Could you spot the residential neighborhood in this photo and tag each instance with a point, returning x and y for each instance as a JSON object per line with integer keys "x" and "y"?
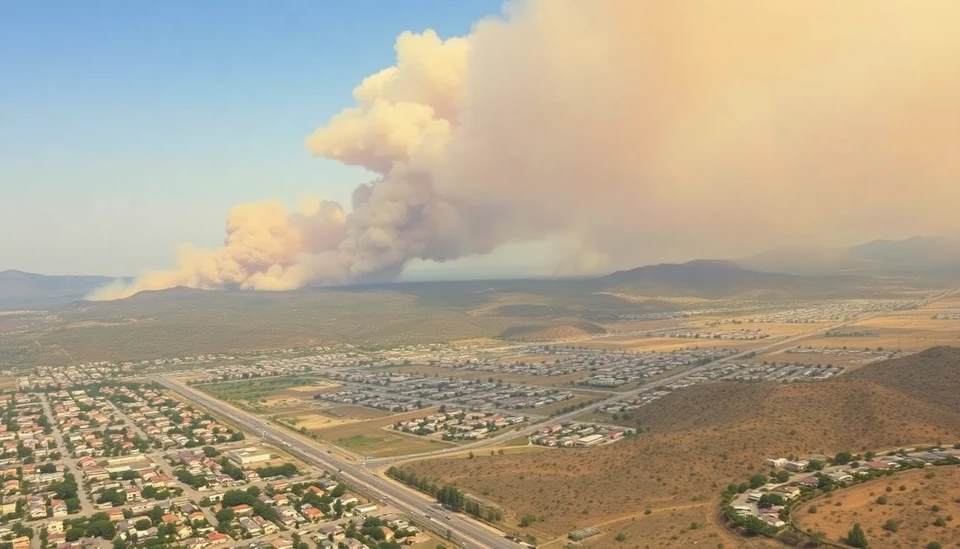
{"x": 763, "y": 502}
{"x": 578, "y": 435}
{"x": 455, "y": 424}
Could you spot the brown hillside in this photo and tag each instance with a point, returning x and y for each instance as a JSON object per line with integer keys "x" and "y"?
{"x": 696, "y": 441}
{"x": 931, "y": 376}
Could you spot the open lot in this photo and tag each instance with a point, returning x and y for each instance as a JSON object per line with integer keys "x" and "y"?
{"x": 371, "y": 438}
{"x": 666, "y": 343}
{"x": 8, "y": 383}
{"x": 313, "y": 418}
{"x": 914, "y": 500}
{"x": 910, "y": 331}
{"x": 267, "y": 391}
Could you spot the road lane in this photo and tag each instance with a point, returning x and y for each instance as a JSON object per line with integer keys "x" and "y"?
{"x": 464, "y": 531}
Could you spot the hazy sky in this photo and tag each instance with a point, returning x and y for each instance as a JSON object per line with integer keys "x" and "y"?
{"x": 127, "y": 128}
{"x": 566, "y": 134}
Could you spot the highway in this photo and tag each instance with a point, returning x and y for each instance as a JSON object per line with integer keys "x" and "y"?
{"x": 422, "y": 510}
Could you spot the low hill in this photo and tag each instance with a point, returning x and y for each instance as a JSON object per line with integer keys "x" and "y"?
{"x": 931, "y": 376}
{"x": 573, "y": 330}
{"x": 20, "y": 289}
{"x": 695, "y": 441}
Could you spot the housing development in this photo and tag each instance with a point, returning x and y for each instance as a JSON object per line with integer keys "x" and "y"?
{"x": 309, "y": 447}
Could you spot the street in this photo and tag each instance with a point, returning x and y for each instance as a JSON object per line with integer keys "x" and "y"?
{"x": 420, "y": 508}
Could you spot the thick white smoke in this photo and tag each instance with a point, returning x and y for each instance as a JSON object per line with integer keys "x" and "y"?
{"x": 633, "y": 129}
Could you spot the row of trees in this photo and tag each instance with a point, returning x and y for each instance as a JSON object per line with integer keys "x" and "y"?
{"x": 450, "y": 496}
{"x": 285, "y": 470}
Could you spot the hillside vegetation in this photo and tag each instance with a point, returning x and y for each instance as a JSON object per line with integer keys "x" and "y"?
{"x": 698, "y": 440}
{"x": 183, "y": 321}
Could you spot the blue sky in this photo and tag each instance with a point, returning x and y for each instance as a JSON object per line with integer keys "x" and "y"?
{"x": 127, "y": 128}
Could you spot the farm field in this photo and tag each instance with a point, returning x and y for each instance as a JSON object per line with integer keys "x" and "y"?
{"x": 371, "y": 438}
{"x": 915, "y": 500}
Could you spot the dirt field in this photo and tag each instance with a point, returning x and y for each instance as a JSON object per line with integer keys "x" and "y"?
{"x": 682, "y": 526}
{"x": 661, "y": 344}
{"x": 8, "y": 383}
{"x": 641, "y": 344}
{"x": 370, "y": 438}
{"x": 314, "y": 418}
{"x": 353, "y": 412}
{"x": 910, "y": 331}
{"x": 915, "y": 500}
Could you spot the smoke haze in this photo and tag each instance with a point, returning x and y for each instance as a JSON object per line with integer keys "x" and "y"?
{"x": 630, "y": 130}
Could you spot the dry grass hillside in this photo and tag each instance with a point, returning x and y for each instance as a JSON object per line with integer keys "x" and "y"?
{"x": 932, "y": 376}
{"x": 695, "y": 442}
{"x": 919, "y": 508}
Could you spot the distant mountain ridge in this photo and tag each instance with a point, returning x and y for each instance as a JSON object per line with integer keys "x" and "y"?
{"x": 786, "y": 273}
{"x": 18, "y": 288}
{"x": 914, "y": 254}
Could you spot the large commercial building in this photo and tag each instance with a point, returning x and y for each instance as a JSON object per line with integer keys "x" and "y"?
{"x": 246, "y": 456}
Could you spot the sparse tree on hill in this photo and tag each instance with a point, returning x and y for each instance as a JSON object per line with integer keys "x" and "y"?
{"x": 856, "y": 537}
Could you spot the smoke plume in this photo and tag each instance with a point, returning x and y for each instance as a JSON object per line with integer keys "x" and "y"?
{"x": 632, "y": 130}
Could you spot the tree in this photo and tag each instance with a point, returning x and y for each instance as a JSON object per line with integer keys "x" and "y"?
{"x": 102, "y": 528}
{"x": 783, "y": 476}
{"x": 856, "y": 537}
{"x": 142, "y": 524}
{"x": 225, "y": 515}
{"x": 842, "y": 458}
{"x": 769, "y": 500}
{"x": 934, "y": 545}
{"x": 891, "y": 525}
{"x": 155, "y": 514}
{"x": 757, "y": 481}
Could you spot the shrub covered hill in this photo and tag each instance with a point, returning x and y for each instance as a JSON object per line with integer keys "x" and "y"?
{"x": 664, "y": 484}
